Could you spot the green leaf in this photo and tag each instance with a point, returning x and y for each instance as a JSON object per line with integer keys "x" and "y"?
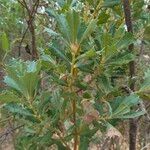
{"x": 106, "y": 39}
{"x": 109, "y": 48}
{"x": 89, "y": 54}
{"x": 11, "y": 82}
{"x": 51, "y": 32}
{"x": 63, "y": 27}
{"x": 143, "y": 95}
{"x": 104, "y": 84}
{"x": 58, "y": 52}
{"x": 45, "y": 96}
{"x": 145, "y": 87}
{"x": 147, "y": 33}
{"x": 122, "y": 107}
{"x": 111, "y": 3}
{"x": 85, "y": 66}
{"x": 56, "y": 79}
{"x": 84, "y": 143}
{"x": 126, "y": 40}
{"x": 17, "y": 109}
{"x": 103, "y": 17}
{"x": 133, "y": 115}
{"x": 4, "y": 42}
{"x": 49, "y": 59}
{"x": 90, "y": 28}
{"x": 121, "y": 59}
{"x": 51, "y": 13}
{"x": 86, "y": 136}
{"x": 56, "y": 100}
{"x": 81, "y": 85}
{"x": 59, "y": 144}
{"x": 23, "y": 77}
{"x": 73, "y": 22}
{"x": 8, "y": 96}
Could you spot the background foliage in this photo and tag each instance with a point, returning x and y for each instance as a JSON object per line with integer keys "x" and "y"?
{"x": 77, "y": 88}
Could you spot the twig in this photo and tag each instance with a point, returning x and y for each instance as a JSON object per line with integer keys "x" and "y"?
{"x": 21, "y": 3}
{"x": 5, "y": 119}
{"x": 146, "y": 146}
{"x": 5, "y": 134}
{"x": 148, "y": 116}
{"x": 24, "y": 34}
{"x": 27, "y": 8}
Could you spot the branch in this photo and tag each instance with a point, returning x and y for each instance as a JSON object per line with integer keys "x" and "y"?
{"x": 31, "y": 14}
{"x": 21, "y": 3}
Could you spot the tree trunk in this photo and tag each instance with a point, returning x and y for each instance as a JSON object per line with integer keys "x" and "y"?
{"x": 132, "y": 122}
